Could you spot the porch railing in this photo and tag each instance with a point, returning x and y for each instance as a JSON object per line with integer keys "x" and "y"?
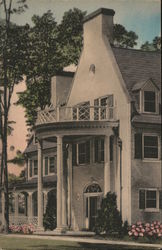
{"x": 21, "y": 220}
{"x": 76, "y": 113}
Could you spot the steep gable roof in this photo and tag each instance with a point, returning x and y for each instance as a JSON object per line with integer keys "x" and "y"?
{"x": 138, "y": 66}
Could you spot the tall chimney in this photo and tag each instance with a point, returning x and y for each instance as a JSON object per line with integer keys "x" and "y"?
{"x": 99, "y": 23}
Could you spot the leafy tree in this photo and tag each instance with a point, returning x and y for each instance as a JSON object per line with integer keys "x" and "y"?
{"x": 49, "y": 218}
{"x": 71, "y": 35}
{"x": 109, "y": 218}
{"x": 124, "y": 38}
{"x": 12, "y": 47}
{"x": 50, "y": 48}
{"x": 19, "y": 159}
{"x": 153, "y": 46}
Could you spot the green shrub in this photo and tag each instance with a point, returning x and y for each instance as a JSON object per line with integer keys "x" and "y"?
{"x": 49, "y": 218}
{"x": 109, "y": 218}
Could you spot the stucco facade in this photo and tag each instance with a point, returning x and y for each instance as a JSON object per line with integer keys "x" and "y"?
{"x": 91, "y": 129}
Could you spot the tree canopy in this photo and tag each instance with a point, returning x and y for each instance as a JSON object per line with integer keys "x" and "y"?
{"x": 155, "y": 45}
{"x": 50, "y": 47}
{"x": 124, "y": 38}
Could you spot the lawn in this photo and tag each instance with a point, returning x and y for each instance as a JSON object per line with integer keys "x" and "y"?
{"x": 13, "y": 243}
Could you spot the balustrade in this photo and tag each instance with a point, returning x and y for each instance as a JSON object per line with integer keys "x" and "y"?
{"x": 76, "y": 113}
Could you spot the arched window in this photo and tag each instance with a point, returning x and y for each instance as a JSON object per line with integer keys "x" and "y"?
{"x": 93, "y": 188}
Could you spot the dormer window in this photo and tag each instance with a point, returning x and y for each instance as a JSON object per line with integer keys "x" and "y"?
{"x": 149, "y": 101}
{"x": 146, "y": 96}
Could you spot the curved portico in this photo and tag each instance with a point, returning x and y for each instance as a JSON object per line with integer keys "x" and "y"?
{"x": 66, "y": 133}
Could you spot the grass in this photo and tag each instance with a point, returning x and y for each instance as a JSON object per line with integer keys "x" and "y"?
{"x": 13, "y": 243}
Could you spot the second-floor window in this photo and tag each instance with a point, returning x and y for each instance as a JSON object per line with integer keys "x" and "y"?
{"x": 35, "y": 167}
{"x": 149, "y": 101}
{"x": 101, "y": 112}
{"x": 30, "y": 168}
{"x": 146, "y": 146}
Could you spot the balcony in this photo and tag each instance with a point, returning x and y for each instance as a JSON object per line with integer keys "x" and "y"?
{"x": 79, "y": 113}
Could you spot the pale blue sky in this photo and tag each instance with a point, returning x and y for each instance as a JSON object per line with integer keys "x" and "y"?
{"x": 141, "y": 16}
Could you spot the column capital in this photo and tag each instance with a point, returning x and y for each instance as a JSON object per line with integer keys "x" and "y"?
{"x": 40, "y": 142}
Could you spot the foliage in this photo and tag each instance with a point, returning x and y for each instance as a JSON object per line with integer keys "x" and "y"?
{"x": 12, "y": 54}
{"x": 25, "y": 229}
{"x": 50, "y": 48}
{"x": 155, "y": 45}
{"x": 109, "y": 218}
{"x": 124, "y": 38}
{"x": 49, "y": 218}
{"x": 12, "y": 178}
{"x": 152, "y": 230}
{"x": 19, "y": 159}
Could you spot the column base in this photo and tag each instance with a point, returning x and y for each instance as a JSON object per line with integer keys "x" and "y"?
{"x": 39, "y": 229}
{"x": 60, "y": 230}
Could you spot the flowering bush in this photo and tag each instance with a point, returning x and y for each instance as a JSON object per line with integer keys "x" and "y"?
{"x": 26, "y": 228}
{"x": 150, "y": 230}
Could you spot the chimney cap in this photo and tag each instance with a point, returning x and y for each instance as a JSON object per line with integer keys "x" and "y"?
{"x": 108, "y": 12}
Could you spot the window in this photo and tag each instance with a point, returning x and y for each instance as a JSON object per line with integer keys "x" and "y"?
{"x": 100, "y": 108}
{"x": 51, "y": 164}
{"x": 146, "y": 146}
{"x": 150, "y": 147}
{"x": 30, "y": 168}
{"x": 35, "y": 167}
{"x": 46, "y": 166}
{"x": 84, "y": 153}
{"x": 150, "y": 199}
{"x": 149, "y": 101}
{"x": 99, "y": 149}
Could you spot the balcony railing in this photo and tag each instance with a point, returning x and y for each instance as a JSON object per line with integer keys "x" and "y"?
{"x": 76, "y": 113}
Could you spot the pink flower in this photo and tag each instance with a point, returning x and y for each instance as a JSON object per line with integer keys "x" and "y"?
{"x": 133, "y": 226}
{"x": 139, "y": 223}
{"x": 130, "y": 233}
{"x": 135, "y": 234}
{"x": 137, "y": 229}
{"x": 133, "y": 230}
{"x": 142, "y": 230}
{"x": 141, "y": 234}
{"x": 159, "y": 235}
{"x": 147, "y": 224}
{"x": 150, "y": 233}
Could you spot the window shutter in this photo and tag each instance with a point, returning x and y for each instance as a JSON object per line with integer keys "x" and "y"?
{"x": 142, "y": 199}
{"x": 138, "y": 146}
{"x": 74, "y": 161}
{"x": 160, "y": 199}
{"x": 88, "y": 152}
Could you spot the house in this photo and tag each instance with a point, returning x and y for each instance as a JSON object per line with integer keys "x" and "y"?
{"x": 101, "y": 133}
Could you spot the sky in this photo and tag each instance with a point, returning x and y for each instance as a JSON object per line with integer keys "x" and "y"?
{"x": 141, "y": 16}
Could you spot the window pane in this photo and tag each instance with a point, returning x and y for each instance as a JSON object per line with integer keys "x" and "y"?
{"x": 35, "y": 167}
{"x": 102, "y": 150}
{"x": 52, "y": 164}
{"x": 96, "y": 151}
{"x": 149, "y": 101}
{"x": 151, "y": 141}
{"x": 150, "y": 152}
{"x": 84, "y": 152}
{"x": 46, "y": 165}
{"x": 150, "y": 147}
{"x": 150, "y": 199}
{"x": 30, "y": 168}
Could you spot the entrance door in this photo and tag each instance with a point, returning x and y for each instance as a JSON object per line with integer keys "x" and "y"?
{"x": 93, "y": 212}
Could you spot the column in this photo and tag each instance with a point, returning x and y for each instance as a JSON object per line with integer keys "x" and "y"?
{"x": 30, "y": 207}
{"x": 40, "y": 184}
{"x": 107, "y": 165}
{"x": 69, "y": 183}
{"x": 3, "y": 209}
{"x": 64, "y": 191}
{"x": 16, "y": 214}
{"x": 45, "y": 200}
{"x": 59, "y": 181}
